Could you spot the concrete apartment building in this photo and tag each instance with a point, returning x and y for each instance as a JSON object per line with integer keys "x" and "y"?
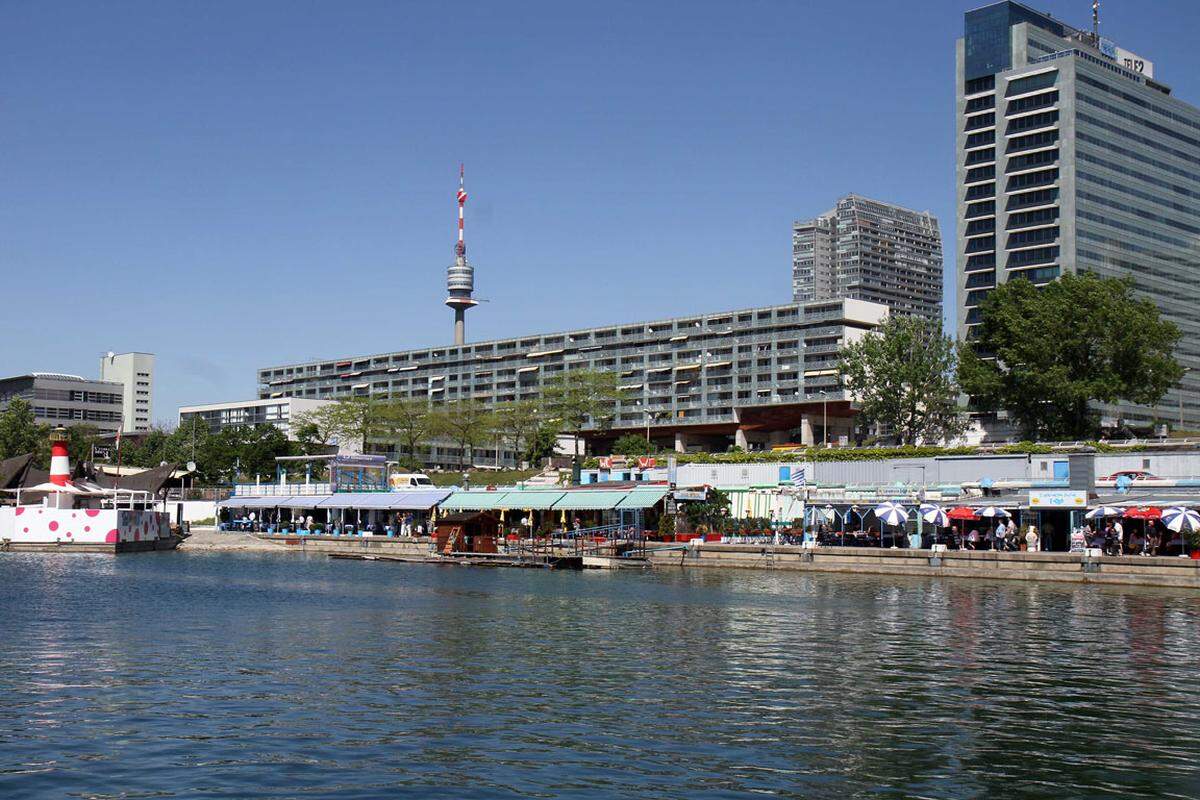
{"x": 1072, "y": 155}
{"x": 135, "y": 371}
{"x": 59, "y": 399}
{"x": 280, "y": 412}
{"x": 868, "y": 250}
{"x": 752, "y": 377}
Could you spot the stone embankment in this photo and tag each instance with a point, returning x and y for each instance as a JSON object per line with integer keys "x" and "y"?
{"x": 1060, "y": 567}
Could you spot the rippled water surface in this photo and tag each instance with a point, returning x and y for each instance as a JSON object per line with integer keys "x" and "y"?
{"x": 267, "y": 675}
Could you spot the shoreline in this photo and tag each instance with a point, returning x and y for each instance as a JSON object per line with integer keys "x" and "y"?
{"x": 1163, "y": 571}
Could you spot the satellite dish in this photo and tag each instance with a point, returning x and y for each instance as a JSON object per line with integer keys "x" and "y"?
{"x": 191, "y": 466}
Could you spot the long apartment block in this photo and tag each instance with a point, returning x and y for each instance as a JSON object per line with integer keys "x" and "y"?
{"x": 751, "y": 376}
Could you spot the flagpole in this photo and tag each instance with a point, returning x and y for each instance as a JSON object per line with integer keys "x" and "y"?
{"x": 117, "y": 482}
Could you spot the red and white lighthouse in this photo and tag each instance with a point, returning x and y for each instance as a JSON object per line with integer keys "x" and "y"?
{"x": 60, "y": 462}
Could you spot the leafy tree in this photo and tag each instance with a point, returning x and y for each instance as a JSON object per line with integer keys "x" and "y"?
{"x": 517, "y": 424}
{"x": 712, "y": 512}
{"x": 409, "y": 422}
{"x": 1046, "y": 354}
{"x": 468, "y": 422}
{"x": 541, "y": 444}
{"x": 574, "y": 399}
{"x": 19, "y": 434}
{"x": 355, "y": 420}
{"x": 630, "y": 444}
{"x": 903, "y": 378}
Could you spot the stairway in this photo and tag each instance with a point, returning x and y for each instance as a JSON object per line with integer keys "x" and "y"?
{"x": 451, "y": 540}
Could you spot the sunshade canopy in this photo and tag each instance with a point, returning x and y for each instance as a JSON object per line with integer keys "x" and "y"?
{"x": 473, "y": 500}
{"x": 273, "y": 501}
{"x": 643, "y": 498}
{"x": 419, "y": 500}
{"x": 589, "y": 500}
{"x": 535, "y": 500}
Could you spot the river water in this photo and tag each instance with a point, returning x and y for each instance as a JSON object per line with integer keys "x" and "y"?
{"x": 279, "y": 675}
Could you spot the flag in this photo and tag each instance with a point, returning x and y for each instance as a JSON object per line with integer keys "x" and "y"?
{"x": 798, "y": 478}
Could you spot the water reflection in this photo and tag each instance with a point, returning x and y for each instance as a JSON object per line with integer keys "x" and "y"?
{"x": 276, "y": 676}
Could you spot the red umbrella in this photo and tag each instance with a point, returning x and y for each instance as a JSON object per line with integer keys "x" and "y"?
{"x": 962, "y": 512}
{"x": 1144, "y": 512}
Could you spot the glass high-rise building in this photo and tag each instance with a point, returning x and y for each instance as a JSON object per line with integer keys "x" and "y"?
{"x": 867, "y": 250}
{"x": 1072, "y": 156}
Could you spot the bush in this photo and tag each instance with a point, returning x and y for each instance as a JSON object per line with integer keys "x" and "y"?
{"x": 630, "y": 444}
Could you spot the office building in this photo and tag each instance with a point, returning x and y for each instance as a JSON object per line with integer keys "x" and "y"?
{"x": 135, "y": 371}
{"x": 1071, "y": 156}
{"x": 280, "y": 412}
{"x": 868, "y": 250}
{"x": 753, "y": 377}
{"x": 59, "y": 399}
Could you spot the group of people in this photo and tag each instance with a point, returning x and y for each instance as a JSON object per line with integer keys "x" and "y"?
{"x": 1005, "y": 536}
{"x": 1145, "y": 540}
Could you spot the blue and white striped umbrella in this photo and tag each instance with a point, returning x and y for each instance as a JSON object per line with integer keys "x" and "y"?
{"x": 934, "y": 515}
{"x": 1104, "y": 511}
{"x": 891, "y": 513}
{"x": 992, "y": 511}
{"x": 1177, "y": 518}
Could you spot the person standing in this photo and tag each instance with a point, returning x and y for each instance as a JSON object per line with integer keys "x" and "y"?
{"x": 1031, "y": 539}
{"x": 998, "y": 536}
{"x": 1119, "y": 532}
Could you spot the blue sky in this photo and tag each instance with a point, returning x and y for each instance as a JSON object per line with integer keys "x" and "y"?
{"x": 240, "y": 184}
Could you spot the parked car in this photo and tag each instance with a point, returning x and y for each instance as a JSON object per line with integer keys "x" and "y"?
{"x": 1132, "y": 474}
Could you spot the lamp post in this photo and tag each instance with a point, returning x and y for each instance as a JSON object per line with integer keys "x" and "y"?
{"x": 824, "y": 418}
{"x": 920, "y": 498}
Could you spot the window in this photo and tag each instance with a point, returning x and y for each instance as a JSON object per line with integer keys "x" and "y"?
{"x": 1022, "y": 163}
{"x": 981, "y": 139}
{"x": 1033, "y": 83}
{"x": 980, "y": 103}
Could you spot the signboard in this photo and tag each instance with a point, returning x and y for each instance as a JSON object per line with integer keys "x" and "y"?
{"x": 1130, "y": 61}
{"x": 1057, "y": 499}
{"x": 646, "y": 462}
{"x": 672, "y": 471}
{"x": 102, "y": 452}
{"x": 691, "y": 494}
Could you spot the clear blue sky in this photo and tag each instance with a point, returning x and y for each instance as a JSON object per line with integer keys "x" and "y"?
{"x": 240, "y": 184}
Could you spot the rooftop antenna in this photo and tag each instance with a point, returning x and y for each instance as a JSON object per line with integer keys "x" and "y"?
{"x": 1096, "y": 22}
{"x": 460, "y": 276}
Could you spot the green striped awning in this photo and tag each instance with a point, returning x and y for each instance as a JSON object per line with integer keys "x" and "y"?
{"x": 590, "y": 500}
{"x": 532, "y": 499}
{"x": 643, "y": 498}
{"x": 474, "y": 500}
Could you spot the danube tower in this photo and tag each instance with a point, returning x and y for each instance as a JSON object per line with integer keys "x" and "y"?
{"x": 460, "y": 276}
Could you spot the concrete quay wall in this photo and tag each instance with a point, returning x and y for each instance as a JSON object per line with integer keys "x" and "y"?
{"x": 374, "y": 545}
{"x": 1060, "y": 567}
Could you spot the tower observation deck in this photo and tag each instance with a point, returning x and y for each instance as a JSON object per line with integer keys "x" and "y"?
{"x": 460, "y": 276}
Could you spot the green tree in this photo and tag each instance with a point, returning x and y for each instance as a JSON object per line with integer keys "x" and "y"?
{"x": 903, "y": 377}
{"x": 1045, "y": 354}
{"x": 409, "y": 422}
{"x": 19, "y": 433}
{"x": 355, "y": 420}
{"x": 541, "y": 444}
{"x": 712, "y": 512}
{"x": 630, "y": 444}
{"x": 468, "y": 422}
{"x": 517, "y": 424}
{"x": 575, "y": 399}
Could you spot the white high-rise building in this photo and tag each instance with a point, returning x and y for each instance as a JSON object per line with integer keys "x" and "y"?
{"x": 136, "y": 372}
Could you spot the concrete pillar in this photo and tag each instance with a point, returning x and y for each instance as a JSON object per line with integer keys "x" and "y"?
{"x": 806, "y": 431}
{"x": 680, "y": 443}
{"x": 740, "y": 440}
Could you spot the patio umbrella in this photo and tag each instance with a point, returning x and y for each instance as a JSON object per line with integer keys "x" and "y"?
{"x": 1178, "y": 518}
{"x": 934, "y": 515}
{"x": 1104, "y": 511}
{"x": 891, "y": 513}
{"x": 992, "y": 511}
{"x": 1144, "y": 512}
{"x": 962, "y": 512}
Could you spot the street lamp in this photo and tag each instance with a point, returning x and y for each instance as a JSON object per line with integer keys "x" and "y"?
{"x": 1186, "y": 370}
{"x": 824, "y": 418}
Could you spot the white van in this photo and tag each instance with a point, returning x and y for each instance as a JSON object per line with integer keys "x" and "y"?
{"x": 409, "y": 480}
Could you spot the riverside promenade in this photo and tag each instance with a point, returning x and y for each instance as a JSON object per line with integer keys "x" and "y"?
{"x": 1019, "y": 566}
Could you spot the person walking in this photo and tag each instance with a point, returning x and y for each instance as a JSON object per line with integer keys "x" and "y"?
{"x": 1119, "y": 532}
{"x": 998, "y": 536}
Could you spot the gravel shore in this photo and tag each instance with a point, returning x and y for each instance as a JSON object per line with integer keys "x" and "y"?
{"x": 212, "y": 539}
